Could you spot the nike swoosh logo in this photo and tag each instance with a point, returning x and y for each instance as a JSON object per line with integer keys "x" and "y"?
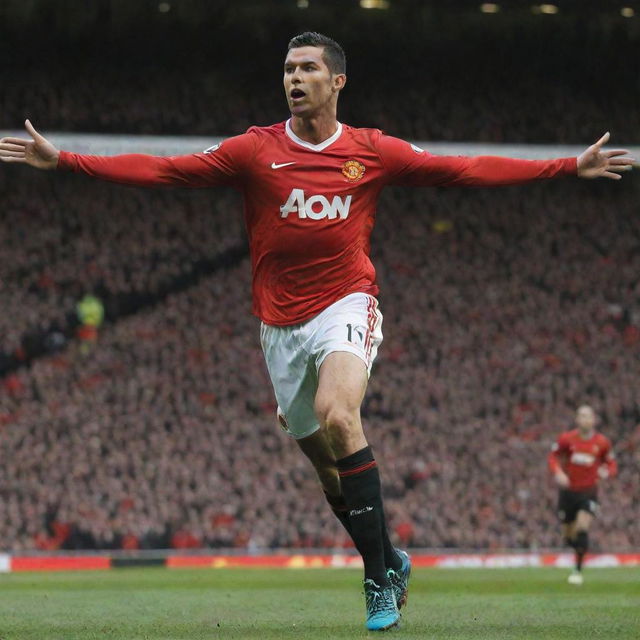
{"x": 279, "y": 166}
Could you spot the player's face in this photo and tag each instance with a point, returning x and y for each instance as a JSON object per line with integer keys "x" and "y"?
{"x": 586, "y": 419}
{"x": 309, "y": 85}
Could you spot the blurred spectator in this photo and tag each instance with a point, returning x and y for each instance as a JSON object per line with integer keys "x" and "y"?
{"x": 90, "y": 312}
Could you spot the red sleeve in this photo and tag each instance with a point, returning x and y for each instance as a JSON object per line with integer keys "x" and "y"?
{"x": 223, "y": 164}
{"x": 559, "y": 449}
{"x": 411, "y": 166}
{"x": 608, "y": 458}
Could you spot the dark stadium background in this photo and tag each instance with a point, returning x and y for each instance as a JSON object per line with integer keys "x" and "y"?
{"x": 504, "y": 309}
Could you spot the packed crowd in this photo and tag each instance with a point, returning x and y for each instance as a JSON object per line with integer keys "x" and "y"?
{"x": 503, "y": 311}
{"x": 439, "y": 107}
{"x": 63, "y": 237}
{"x": 436, "y": 110}
{"x": 466, "y": 82}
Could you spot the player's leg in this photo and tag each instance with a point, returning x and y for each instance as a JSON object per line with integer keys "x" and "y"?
{"x": 568, "y": 508}
{"x": 569, "y": 533}
{"x": 295, "y": 381}
{"x": 354, "y": 325}
{"x": 341, "y": 387}
{"x": 342, "y": 383}
{"x": 294, "y": 376}
{"x": 568, "y": 505}
{"x": 581, "y": 545}
{"x": 316, "y": 448}
{"x": 294, "y": 358}
{"x": 350, "y": 327}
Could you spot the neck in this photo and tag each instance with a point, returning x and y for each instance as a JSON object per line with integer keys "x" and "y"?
{"x": 585, "y": 435}
{"x": 315, "y": 129}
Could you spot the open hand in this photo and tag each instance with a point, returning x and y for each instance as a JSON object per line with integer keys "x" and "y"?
{"x": 596, "y": 163}
{"x": 37, "y": 152}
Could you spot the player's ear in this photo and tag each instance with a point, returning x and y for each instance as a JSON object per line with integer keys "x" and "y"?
{"x": 338, "y": 81}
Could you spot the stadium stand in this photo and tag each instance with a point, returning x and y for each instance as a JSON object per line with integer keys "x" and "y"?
{"x": 462, "y": 76}
{"x": 504, "y": 308}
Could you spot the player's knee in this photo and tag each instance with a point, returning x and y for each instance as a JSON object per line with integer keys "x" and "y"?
{"x": 338, "y": 420}
{"x": 342, "y": 426}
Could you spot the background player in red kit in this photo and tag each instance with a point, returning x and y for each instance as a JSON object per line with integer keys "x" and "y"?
{"x": 578, "y": 459}
{"x": 310, "y": 188}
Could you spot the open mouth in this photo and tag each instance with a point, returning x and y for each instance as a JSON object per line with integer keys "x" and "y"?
{"x": 296, "y": 94}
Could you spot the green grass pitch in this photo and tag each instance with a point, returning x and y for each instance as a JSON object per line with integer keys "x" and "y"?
{"x": 194, "y": 604}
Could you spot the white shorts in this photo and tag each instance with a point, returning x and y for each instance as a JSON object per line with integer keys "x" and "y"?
{"x": 294, "y": 355}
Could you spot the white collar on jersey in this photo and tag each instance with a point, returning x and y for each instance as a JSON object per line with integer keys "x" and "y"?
{"x": 308, "y": 145}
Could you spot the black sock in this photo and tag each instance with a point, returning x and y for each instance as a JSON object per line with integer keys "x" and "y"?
{"x": 360, "y": 483}
{"x": 340, "y": 509}
{"x": 391, "y": 559}
{"x": 581, "y": 547}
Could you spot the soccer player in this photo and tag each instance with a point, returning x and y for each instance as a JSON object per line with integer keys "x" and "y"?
{"x": 577, "y": 460}
{"x": 310, "y": 188}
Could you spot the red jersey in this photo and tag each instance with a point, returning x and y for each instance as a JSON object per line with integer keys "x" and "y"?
{"x": 310, "y": 208}
{"x": 581, "y": 459}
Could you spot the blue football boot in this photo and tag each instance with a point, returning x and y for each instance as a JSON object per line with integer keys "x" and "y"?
{"x": 382, "y": 611}
{"x": 400, "y": 579}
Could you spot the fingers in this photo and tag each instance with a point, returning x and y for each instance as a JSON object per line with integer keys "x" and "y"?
{"x": 616, "y": 152}
{"x": 601, "y": 142}
{"x": 11, "y": 150}
{"x": 10, "y": 146}
{"x": 623, "y": 162}
{"x": 613, "y": 176}
{"x": 31, "y": 130}
{"x": 19, "y": 141}
{"x": 11, "y": 159}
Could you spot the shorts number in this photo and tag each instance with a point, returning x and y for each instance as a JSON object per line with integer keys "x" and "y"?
{"x": 359, "y": 331}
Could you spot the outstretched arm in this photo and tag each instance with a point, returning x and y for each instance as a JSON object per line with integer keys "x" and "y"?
{"x": 410, "y": 165}
{"x": 223, "y": 165}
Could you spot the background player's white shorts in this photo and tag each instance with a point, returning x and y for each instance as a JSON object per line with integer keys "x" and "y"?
{"x": 294, "y": 355}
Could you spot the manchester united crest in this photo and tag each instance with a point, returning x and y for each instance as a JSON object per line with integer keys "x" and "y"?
{"x": 353, "y": 170}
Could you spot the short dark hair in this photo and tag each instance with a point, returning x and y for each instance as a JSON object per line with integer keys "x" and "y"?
{"x": 332, "y": 54}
